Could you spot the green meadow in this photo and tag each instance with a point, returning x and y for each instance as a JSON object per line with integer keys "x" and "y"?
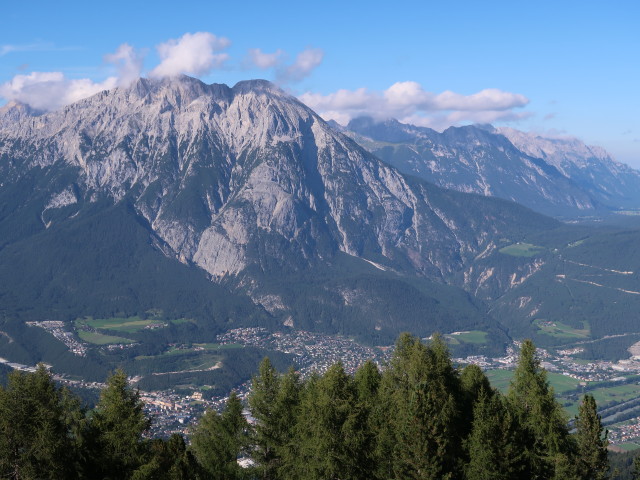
{"x": 473, "y": 336}
{"x": 522, "y": 250}
{"x": 561, "y": 330}
{"x": 101, "y": 339}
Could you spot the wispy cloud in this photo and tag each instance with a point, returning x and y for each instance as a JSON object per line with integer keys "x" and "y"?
{"x": 410, "y": 102}
{"x": 305, "y": 63}
{"x": 193, "y": 53}
{"x": 128, "y": 62}
{"x": 262, "y": 60}
{"x": 33, "y": 47}
{"x": 285, "y": 73}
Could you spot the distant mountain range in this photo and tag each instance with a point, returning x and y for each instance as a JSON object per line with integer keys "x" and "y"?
{"x": 558, "y": 177}
{"x": 241, "y": 207}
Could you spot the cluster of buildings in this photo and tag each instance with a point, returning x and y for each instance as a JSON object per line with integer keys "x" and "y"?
{"x": 57, "y": 329}
{"x": 625, "y": 433}
{"x": 313, "y": 351}
{"x": 175, "y": 413}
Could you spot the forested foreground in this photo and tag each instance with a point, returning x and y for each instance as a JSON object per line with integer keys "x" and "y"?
{"x": 419, "y": 418}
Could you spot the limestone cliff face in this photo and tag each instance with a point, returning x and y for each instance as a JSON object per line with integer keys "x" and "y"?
{"x": 558, "y": 177}
{"x": 233, "y": 178}
{"x": 610, "y": 182}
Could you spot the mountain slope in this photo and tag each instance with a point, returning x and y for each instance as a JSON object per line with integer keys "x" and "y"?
{"x": 249, "y": 186}
{"x": 612, "y": 183}
{"x": 558, "y": 178}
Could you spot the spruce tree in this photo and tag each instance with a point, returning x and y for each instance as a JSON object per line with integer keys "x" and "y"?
{"x": 549, "y": 446}
{"x": 330, "y": 429}
{"x": 170, "y": 460}
{"x": 219, "y": 439}
{"x": 473, "y": 381}
{"x": 263, "y": 403}
{"x": 494, "y": 444}
{"x": 592, "y": 442}
{"x": 427, "y": 416}
{"x": 286, "y": 413}
{"x": 37, "y": 427}
{"x": 118, "y": 423}
{"x": 367, "y": 384}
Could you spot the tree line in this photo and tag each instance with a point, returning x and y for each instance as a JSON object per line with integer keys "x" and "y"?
{"x": 418, "y": 418}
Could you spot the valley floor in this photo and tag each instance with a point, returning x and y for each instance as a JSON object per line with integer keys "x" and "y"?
{"x": 615, "y": 385}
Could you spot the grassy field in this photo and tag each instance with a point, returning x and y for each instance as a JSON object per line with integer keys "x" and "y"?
{"x": 522, "y": 250}
{"x": 203, "y": 349}
{"x": 629, "y": 446}
{"x": 560, "y": 383}
{"x": 200, "y": 347}
{"x": 183, "y": 361}
{"x": 500, "y": 379}
{"x": 218, "y": 346}
{"x": 130, "y": 324}
{"x": 179, "y": 321}
{"x": 473, "y": 336}
{"x": 101, "y": 339}
{"x": 619, "y": 393}
{"x": 561, "y": 330}
{"x": 603, "y": 396}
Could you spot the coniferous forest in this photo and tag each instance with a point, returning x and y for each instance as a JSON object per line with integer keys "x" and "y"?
{"x": 420, "y": 417}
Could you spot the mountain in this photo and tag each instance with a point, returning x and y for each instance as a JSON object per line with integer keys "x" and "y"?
{"x": 198, "y": 208}
{"x": 562, "y": 178}
{"x": 610, "y": 182}
{"x": 247, "y": 186}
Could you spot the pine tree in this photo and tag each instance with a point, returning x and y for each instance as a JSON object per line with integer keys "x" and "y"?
{"x": 592, "y": 442}
{"x": 473, "y": 381}
{"x": 219, "y": 439}
{"x": 495, "y": 441}
{"x": 636, "y": 468}
{"x": 426, "y": 410}
{"x": 117, "y": 426}
{"x": 549, "y": 445}
{"x": 367, "y": 384}
{"x": 330, "y": 428}
{"x": 170, "y": 460}
{"x": 37, "y": 428}
{"x": 263, "y": 403}
{"x": 287, "y": 416}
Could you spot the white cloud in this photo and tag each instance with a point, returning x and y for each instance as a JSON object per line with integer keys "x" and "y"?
{"x": 409, "y": 102}
{"x": 304, "y": 64}
{"x": 33, "y": 47}
{"x": 193, "y": 53}
{"x": 410, "y": 95}
{"x": 51, "y": 90}
{"x": 128, "y": 62}
{"x": 488, "y": 99}
{"x": 263, "y": 60}
{"x": 4, "y": 49}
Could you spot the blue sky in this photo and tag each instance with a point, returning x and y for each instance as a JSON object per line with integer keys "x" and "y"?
{"x": 558, "y": 68}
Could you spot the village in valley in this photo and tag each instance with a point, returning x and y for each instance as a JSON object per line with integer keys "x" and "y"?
{"x": 615, "y": 385}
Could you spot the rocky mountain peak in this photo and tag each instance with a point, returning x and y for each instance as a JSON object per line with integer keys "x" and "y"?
{"x": 15, "y": 111}
{"x": 473, "y": 159}
{"x": 389, "y": 130}
{"x": 220, "y": 174}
